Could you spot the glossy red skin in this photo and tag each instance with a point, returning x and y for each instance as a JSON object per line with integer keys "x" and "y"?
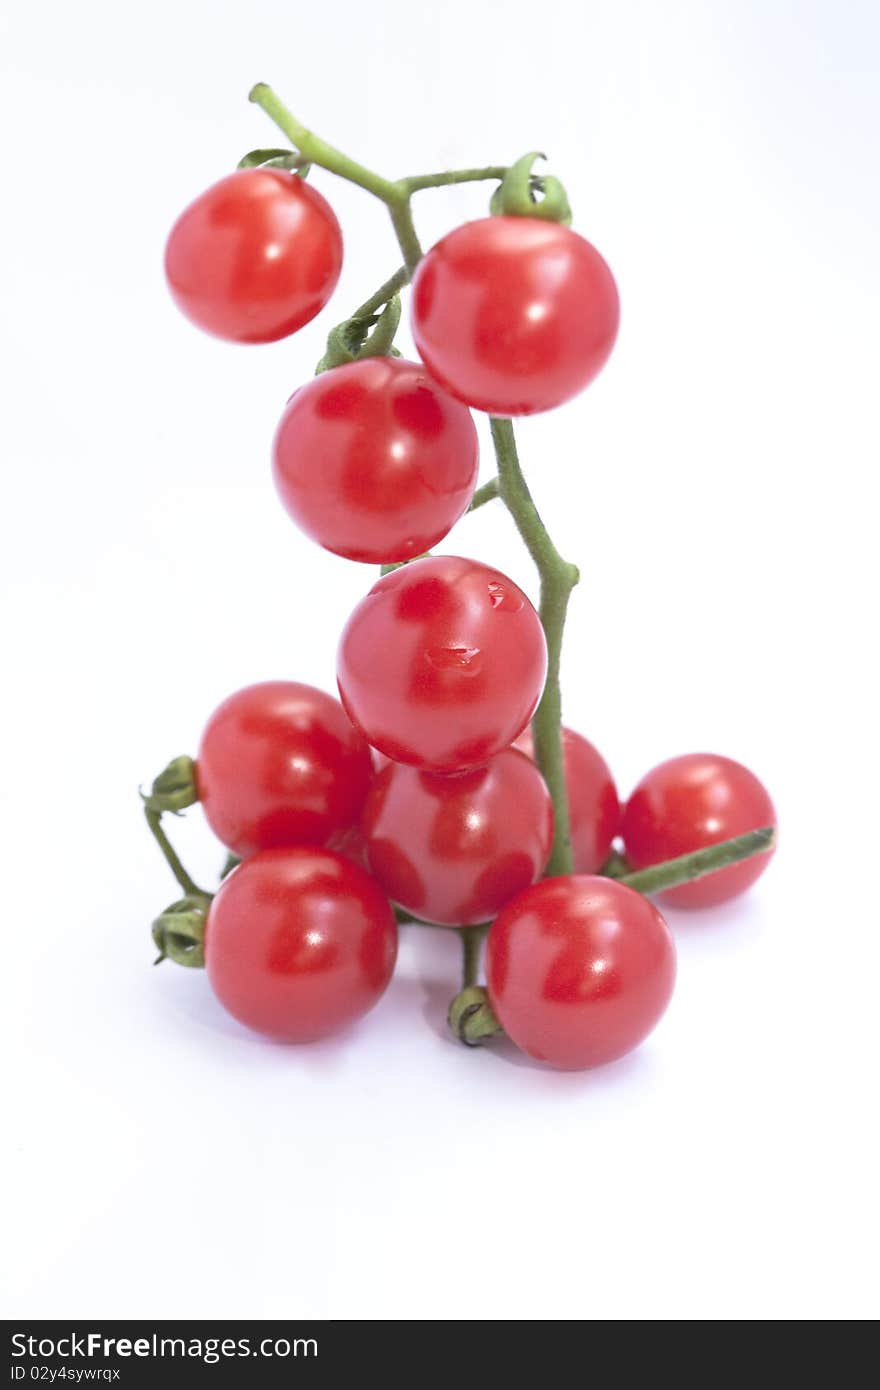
{"x": 579, "y": 970}
{"x": 514, "y": 315}
{"x": 454, "y": 848}
{"x": 299, "y": 942}
{"x": 442, "y": 664}
{"x": 280, "y": 764}
{"x": 593, "y": 804}
{"x": 375, "y": 461}
{"x": 691, "y": 802}
{"x": 254, "y": 257}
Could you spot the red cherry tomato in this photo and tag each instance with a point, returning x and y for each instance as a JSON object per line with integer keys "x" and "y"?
{"x": 442, "y": 664}
{"x": 454, "y": 848}
{"x": 579, "y": 970}
{"x": 280, "y": 764}
{"x": 593, "y": 805}
{"x": 255, "y": 257}
{"x": 299, "y": 942}
{"x": 514, "y": 314}
{"x": 689, "y": 803}
{"x": 374, "y": 461}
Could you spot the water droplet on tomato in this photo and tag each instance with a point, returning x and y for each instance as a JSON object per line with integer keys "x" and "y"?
{"x": 466, "y": 659}
{"x": 501, "y": 597}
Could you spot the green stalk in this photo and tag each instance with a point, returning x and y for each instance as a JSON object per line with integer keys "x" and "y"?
{"x": 405, "y": 230}
{"x": 383, "y": 294}
{"x": 700, "y": 862}
{"x": 558, "y": 578}
{"x": 484, "y": 494}
{"x": 451, "y": 176}
{"x": 472, "y": 947}
{"x": 318, "y": 151}
{"x": 394, "y": 194}
{"x": 189, "y": 886}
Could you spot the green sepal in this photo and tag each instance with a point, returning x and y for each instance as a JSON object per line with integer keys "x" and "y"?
{"x": 175, "y": 787}
{"x": 179, "y": 931}
{"x": 471, "y": 1018}
{"x": 515, "y": 195}
{"x": 372, "y": 336}
{"x": 275, "y": 159}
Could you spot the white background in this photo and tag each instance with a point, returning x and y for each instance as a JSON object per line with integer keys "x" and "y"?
{"x": 717, "y": 486}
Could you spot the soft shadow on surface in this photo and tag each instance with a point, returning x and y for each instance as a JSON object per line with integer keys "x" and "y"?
{"x": 418, "y": 997}
{"x": 190, "y": 1005}
{"x": 636, "y": 1064}
{"x": 740, "y": 917}
{"x": 435, "y": 994}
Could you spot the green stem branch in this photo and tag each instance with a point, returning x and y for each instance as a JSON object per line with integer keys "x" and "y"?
{"x": 383, "y": 294}
{"x": 418, "y": 182}
{"x": 394, "y": 194}
{"x": 318, "y": 151}
{"x": 687, "y": 867}
{"x": 471, "y": 949}
{"x": 558, "y": 578}
{"x": 405, "y": 229}
{"x": 484, "y": 494}
{"x": 189, "y": 886}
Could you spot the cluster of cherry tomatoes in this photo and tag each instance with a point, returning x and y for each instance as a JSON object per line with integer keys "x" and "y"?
{"x": 419, "y": 789}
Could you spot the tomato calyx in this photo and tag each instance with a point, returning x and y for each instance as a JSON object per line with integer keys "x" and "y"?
{"x": 179, "y": 931}
{"x": 471, "y": 1018}
{"x": 380, "y": 313}
{"x": 275, "y": 159}
{"x": 370, "y": 335}
{"x": 515, "y": 195}
{"x": 174, "y": 789}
